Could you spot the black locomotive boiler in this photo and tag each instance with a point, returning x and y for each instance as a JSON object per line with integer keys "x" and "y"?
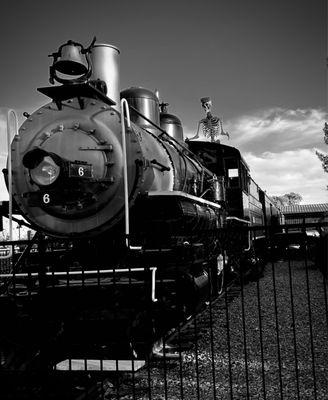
{"x": 110, "y": 173}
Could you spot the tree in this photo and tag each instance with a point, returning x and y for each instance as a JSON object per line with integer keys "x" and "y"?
{"x": 324, "y": 157}
{"x": 278, "y": 201}
{"x": 287, "y": 199}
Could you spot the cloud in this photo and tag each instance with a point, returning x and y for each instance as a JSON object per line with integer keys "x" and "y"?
{"x": 296, "y": 171}
{"x": 277, "y": 130}
{"x": 279, "y": 146}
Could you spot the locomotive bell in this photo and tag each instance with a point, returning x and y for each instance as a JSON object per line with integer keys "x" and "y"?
{"x": 70, "y": 60}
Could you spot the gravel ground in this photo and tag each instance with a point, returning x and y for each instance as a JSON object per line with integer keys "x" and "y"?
{"x": 238, "y": 367}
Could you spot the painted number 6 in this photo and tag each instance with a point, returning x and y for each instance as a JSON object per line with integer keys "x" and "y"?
{"x": 46, "y": 198}
{"x": 81, "y": 171}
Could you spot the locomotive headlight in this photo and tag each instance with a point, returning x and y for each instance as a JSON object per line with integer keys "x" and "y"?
{"x": 46, "y": 172}
{"x": 44, "y": 167}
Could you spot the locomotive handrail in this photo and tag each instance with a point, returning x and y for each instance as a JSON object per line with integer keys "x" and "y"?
{"x": 10, "y": 186}
{"x": 239, "y": 220}
{"x": 125, "y": 110}
{"x": 178, "y": 193}
{"x": 148, "y": 120}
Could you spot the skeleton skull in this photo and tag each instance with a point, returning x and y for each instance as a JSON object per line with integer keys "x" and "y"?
{"x": 206, "y": 104}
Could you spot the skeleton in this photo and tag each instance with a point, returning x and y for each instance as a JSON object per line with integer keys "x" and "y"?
{"x": 211, "y": 125}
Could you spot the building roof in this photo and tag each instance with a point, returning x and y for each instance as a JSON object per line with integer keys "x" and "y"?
{"x": 305, "y": 208}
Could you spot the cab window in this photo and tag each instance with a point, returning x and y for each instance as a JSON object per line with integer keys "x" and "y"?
{"x": 244, "y": 178}
{"x": 231, "y": 166}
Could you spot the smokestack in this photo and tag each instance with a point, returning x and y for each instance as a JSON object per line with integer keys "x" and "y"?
{"x": 105, "y": 66}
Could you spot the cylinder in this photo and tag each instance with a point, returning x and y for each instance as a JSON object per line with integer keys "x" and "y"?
{"x": 146, "y": 102}
{"x": 105, "y": 66}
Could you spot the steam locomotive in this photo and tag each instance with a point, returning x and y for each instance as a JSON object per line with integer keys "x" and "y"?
{"x": 111, "y": 172}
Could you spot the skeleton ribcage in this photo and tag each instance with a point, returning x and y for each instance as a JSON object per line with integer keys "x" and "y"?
{"x": 211, "y": 126}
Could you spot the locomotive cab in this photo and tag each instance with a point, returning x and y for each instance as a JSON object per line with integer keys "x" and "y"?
{"x": 244, "y": 199}
{"x": 227, "y": 162}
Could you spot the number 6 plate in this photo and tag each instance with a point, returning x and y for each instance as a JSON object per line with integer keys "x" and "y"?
{"x": 80, "y": 170}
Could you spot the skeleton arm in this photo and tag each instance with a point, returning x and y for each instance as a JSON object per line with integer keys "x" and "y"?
{"x": 222, "y": 132}
{"x": 197, "y": 134}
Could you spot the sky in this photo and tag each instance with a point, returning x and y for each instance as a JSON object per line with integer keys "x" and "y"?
{"x": 262, "y": 62}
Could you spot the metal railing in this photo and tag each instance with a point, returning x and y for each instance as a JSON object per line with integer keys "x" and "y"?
{"x": 263, "y": 337}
